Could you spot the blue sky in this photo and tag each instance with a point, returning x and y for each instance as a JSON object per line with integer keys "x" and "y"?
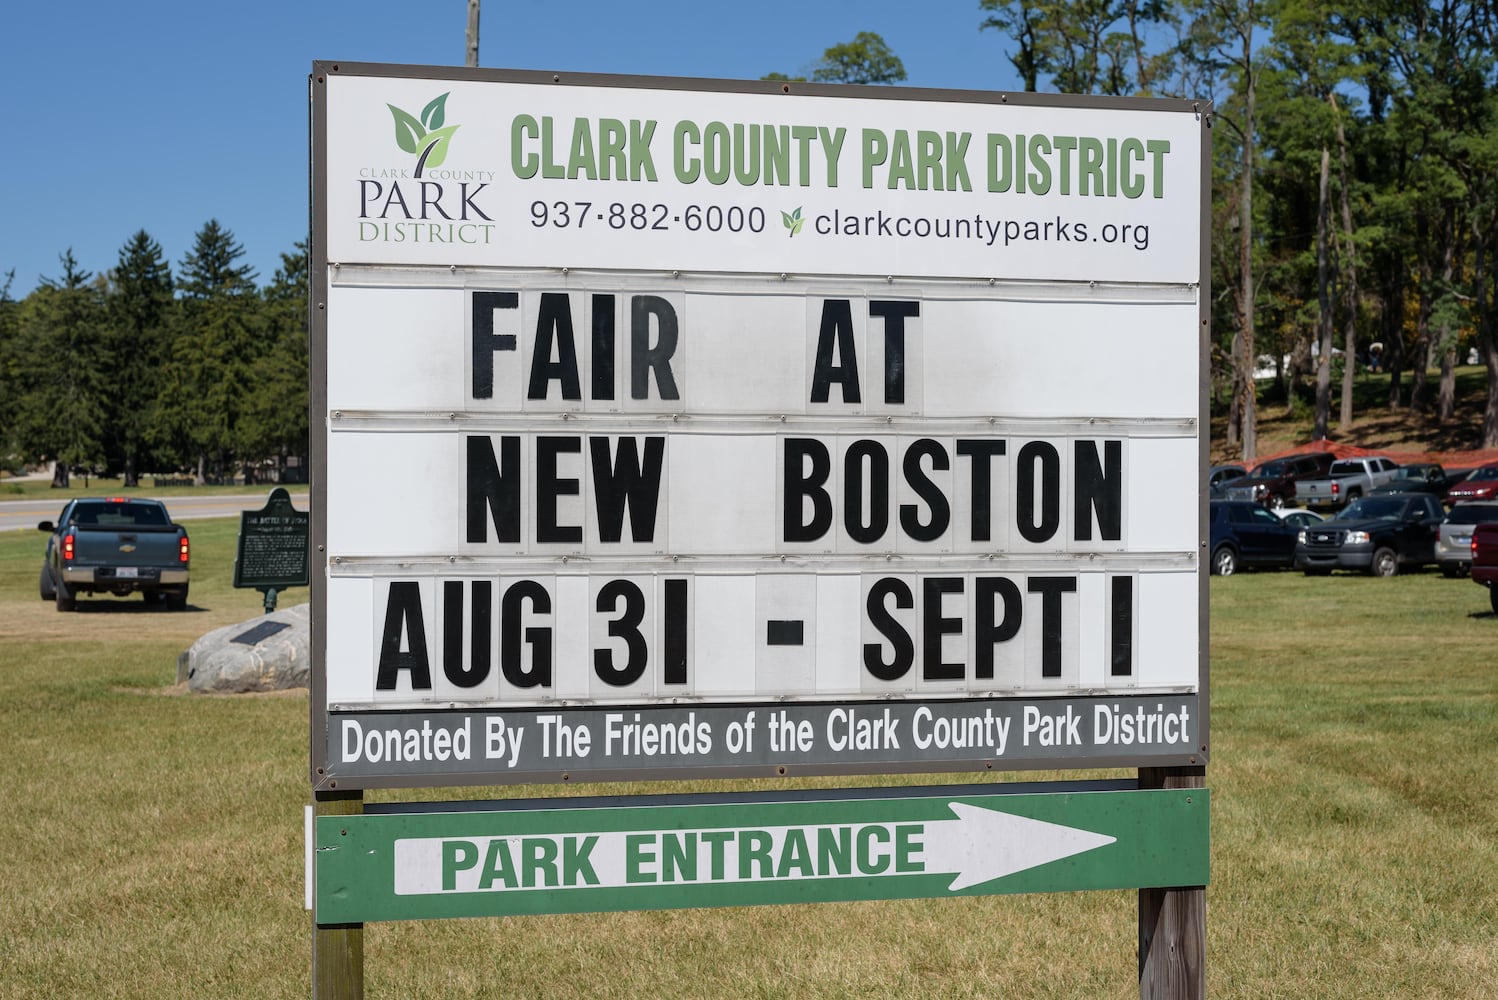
{"x": 160, "y": 115}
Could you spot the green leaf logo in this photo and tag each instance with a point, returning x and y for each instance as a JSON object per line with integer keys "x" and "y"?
{"x": 425, "y": 138}
{"x": 793, "y": 220}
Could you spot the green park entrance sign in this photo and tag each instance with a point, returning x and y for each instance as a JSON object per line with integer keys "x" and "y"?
{"x": 692, "y": 851}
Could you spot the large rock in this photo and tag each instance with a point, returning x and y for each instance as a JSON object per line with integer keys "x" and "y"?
{"x": 272, "y": 652}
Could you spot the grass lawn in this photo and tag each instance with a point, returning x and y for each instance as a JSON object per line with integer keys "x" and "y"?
{"x": 155, "y": 838}
{"x": 42, "y": 489}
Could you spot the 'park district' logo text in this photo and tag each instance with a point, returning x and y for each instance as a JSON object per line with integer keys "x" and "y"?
{"x": 434, "y": 209}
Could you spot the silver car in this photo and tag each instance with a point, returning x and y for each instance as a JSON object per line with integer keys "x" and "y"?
{"x": 1454, "y": 544}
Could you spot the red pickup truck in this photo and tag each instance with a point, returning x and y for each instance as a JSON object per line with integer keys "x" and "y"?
{"x": 1485, "y": 559}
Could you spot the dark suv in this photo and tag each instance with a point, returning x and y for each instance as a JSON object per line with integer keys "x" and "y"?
{"x": 1244, "y": 534}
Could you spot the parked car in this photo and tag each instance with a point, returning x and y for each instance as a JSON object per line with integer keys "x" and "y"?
{"x": 1219, "y": 476}
{"x": 1375, "y": 535}
{"x": 114, "y": 545}
{"x": 1418, "y": 477}
{"x": 1485, "y": 560}
{"x": 1481, "y": 484}
{"x": 1346, "y": 481}
{"x": 1299, "y": 517}
{"x": 1274, "y": 483}
{"x": 1454, "y": 543}
{"x": 1244, "y": 534}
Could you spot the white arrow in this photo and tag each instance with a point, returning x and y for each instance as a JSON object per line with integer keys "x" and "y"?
{"x": 981, "y": 845}
{"x": 978, "y": 846}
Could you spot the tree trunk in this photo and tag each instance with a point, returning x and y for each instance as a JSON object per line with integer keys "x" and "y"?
{"x": 1235, "y": 398}
{"x": 131, "y": 477}
{"x": 1446, "y": 395}
{"x": 1245, "y": 262}
{"x": 1420, "y": 360}
{"x": 60, "y": 475}
{"x": 1446, "y": 392}
{"x": 1393, "y": 334}
{"x": 202, "y": 478}
{"x": 1487, "y": 338}
{"x": 1323, "y": 300}
{"x": 1350, "y": 336}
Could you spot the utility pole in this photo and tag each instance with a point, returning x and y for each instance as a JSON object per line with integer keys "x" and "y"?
{"x": 473, "y": 33}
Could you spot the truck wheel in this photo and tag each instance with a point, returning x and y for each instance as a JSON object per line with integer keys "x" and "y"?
{"x": 1224, "y": 561}
{"x": 1493, "y": 598}
{"x": 44, "y": 585}
{"x": 1277, "y": 502}
{"x": 66, "y": 601}
{"x": 1385, "y": 563}
{"x": 177, "y": 601}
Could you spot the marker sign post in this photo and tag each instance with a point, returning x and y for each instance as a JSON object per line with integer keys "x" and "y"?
{"x": 686, "y": 429}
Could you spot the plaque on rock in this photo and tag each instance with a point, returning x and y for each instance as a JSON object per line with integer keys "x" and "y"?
{"x": 273, "y": 545}
{"x": 258, "y": 634}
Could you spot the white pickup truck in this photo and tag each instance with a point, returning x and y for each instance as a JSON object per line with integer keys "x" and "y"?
{"x": 1347, "y": 480}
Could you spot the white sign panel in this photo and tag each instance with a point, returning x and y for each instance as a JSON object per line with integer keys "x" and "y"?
{"x": 461, "y": 171}
{"x": 634, "y": 398}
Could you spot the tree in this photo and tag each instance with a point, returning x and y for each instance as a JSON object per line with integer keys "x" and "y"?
{"x": 60, "y": 409}
{"x": 213, "y": 350}
{"x": 1088, "y": 46}
{"x": 1222, "y": 46}
{"x": 211, "y": 268}
{"x": 140, "y": 306}
{"x": 275, "y": 417}
{"x": 866, "y": 59}
{"x": 9, "y": 383}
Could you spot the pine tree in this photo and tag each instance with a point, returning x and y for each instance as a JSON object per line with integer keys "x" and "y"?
{"x": 59, "y": 411}
{"x": 141, "y": 308}
{"x": 214, "y": 348}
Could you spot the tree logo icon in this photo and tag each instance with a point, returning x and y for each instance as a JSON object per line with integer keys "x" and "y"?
{"x": 426, "y": 137}
{"x": 793, "y": 220}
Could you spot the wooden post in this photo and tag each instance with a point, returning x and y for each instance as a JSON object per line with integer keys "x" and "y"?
{"x": 337, "y": 949}
{"x": 472, "y": 57}
{"x": 1173, "y": 922}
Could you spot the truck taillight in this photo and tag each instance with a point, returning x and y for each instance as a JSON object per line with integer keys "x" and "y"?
{"x": 1336, "y": 487}
{"x": 182, "y": 550}
{"x": 1474, "y": 546}
{"x": 67, "y": 547}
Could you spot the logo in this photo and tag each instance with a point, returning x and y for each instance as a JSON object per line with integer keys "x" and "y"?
{"x": 426, "y": 138}
{"x": 793, "y": 220}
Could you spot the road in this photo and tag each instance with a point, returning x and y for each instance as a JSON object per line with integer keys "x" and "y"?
{"x": 23, "y": 515}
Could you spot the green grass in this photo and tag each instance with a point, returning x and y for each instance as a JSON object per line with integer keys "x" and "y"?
{"x": 154, "y": 839}
{"x": 33, "y": 489}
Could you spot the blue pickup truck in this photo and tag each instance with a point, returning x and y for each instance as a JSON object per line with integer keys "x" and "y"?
{"x": 115, "y": 545}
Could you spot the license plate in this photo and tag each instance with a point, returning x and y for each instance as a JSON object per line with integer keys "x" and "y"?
{"x": 1462, "y": 539}
{"x": 127, "y": 572}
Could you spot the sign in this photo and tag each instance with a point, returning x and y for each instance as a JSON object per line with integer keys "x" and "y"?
{"x": 652, "y": 442}
{"x": 273, "y": 549}
{"x": 690, "y": 851}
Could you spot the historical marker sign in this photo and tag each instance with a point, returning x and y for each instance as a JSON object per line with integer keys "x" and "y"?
{"x": 677, "y": 428}
{"x": 273, "y": 550}
{"x": 623, "y": 856}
